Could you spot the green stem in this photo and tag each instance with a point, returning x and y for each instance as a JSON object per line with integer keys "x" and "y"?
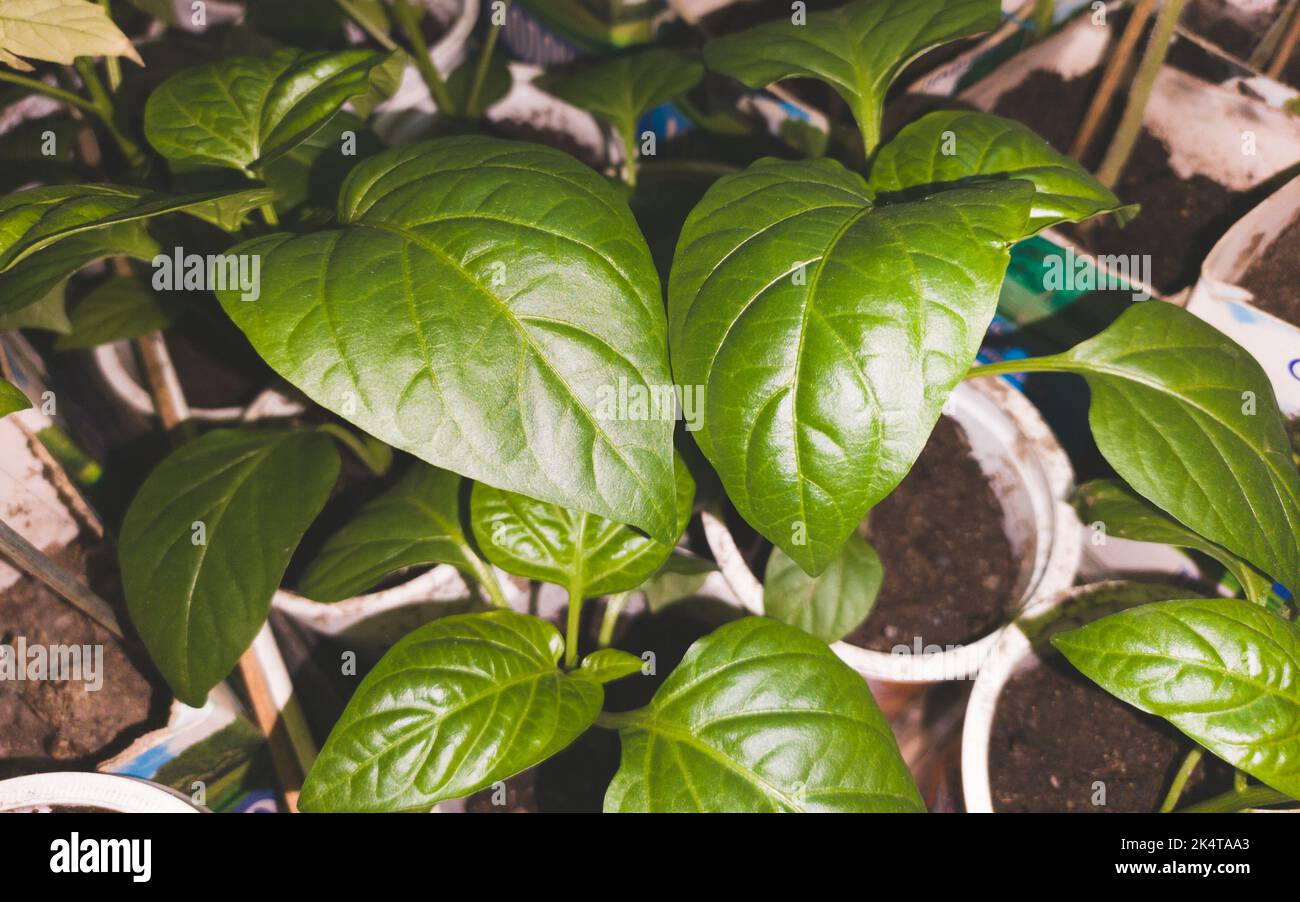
{"x": 268, "y": 213}
{"x": 1239, "y": 781}
{"x": 617, "y": 721}
{"x": 613, "y": 608}
{"x": 409, "y": 21}
{"x": 574, "y": 626}
{"x": 367, "y": 26}
{"x": 103, "y": 106}
{"x": 1023, "y": 365}
{"x": 357, "y": 447}
{"x": 40, "y": 87}
{"x": 1180, "y": 780}
{"x": 487, "y": 579}
{"x": 1130, "y": 126}
{"x": 111, "y": 63}
{"x": 1042, "y": 17}
{"x": 1239, "y": 800}
{"x": 481, "y": 67}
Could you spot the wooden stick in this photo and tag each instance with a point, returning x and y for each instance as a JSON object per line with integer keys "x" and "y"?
{"x": 1110, "y": 79}
{"x": 281, "y": 719}
{"x": 32, "y": 561}
{"x": 1284, "y": 52}
{"x": 1267, "y": 45}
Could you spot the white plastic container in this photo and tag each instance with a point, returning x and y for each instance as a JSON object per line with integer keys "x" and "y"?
{"x": 458, "y": 17}
{"x": 127, "y": 795}
{"x": 1032, "y": 478}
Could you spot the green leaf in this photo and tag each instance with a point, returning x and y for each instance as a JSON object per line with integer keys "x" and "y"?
{"x": 159, "y": 9}
{"x": 49, "y": 313}
{"x": 22, "y": 152}
{"x": 827, "y": 333}
{"x": 207, "y": 539}
{"x": 13, "y": 400}
{"x": 314, "y": 171}
{"x": 858, "y": 49}
{"x": 117, "y": 310}
{"x": 37, "y": 218}
{"x": 610, "y": 664}
{"x": 621, "y": 90}
{"x": 385, "y": 79}
{"x": 1188, "y": 418}
{"x": 1127, "y": 515}
{"x": 496, "y": 84}
{"x": 1225, "y": 672}
{"x": 829, "y": 606}
{"x": 515, "y": 252}
{"x": 958, "y": 145}
{"x": 417, "y": 521}
{"x": 32, "y": 280}
{"x": 454, "y": 706}
{"x": 59, "y": 31}
{"x": 243, "y": 112}
{"x": 760, "y": 717}
{"x": 544, "y": 541}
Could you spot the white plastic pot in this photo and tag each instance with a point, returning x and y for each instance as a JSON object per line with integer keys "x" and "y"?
{"x": 458, "y": 16}
{"x": 127, "y": 795}
{"x": 1222, "y": 303}
{"x": 1032, "y": 478}
{"x": 116, "y": 363}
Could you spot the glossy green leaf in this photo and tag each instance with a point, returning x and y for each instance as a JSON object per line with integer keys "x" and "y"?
{"x": 1126, "y": 515}
{"x": 622, "y": 89}
{"x": 1225, "y": 672}
{"x": 207, "y": 539}
{"x": 119, "y": 309}
{"x": 11, "y": 399}
{"x": 760, "y": 717}
{"x": 23, "y": 157}
{"x": 32, "y": 280}
{"x": 49, "y": 313}
{"x": 858, "y": 49}
{"x": 832, "y": 604}
{"x": 39, "y": 217}
{"x": 610, "y": 664}
{"x": 313, "y": 171}
{"x": 1188, "y": 418}
{"x": 827, "y": 333}
{"x": 58, "y": 31}
{"x": 417, "y": 521}
{"x": 544, "y": 541}
{"x": 243, "y": 112}
{"x": 960, "y": 145}
{"x": 454, "y": 706}
{"x": 479, "y": 307}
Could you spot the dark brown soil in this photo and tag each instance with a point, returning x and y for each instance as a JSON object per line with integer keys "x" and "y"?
{"x": 1056, "y": 735}
{"x": 1274, "y": 277}
{"x": 950, "y": 571}
{"x": 58, "y": 725}
{"x": 1180, "y": 220}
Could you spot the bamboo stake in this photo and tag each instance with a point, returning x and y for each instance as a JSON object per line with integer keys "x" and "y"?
{"x": 1265, "y": 49}
{"x": 32, "y": 561}
{"x": 1284, "y": 52}
{"x": 1110, "y": 79}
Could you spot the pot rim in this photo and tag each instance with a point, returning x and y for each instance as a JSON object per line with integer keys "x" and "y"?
{"x": 112, "y": 791}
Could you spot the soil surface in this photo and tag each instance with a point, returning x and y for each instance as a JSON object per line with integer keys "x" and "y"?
{"x": 950, "y": 571}
{"x": 1055, "y": 735}
{"x": 59, "y": 725}
{"x": 1274, "y": 277}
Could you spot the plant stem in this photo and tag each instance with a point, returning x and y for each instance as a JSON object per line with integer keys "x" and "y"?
{"x": 1267, "y": 45}
{"x": 573, "y": 627}
{"x": 616, "y": 721}
{"x": 1288, "y": 47}
{"x": 1238, "y": 800}
{"x": 111, "y": 63}
{"x": 613, "y": 608}
{"x": 1130, "y": 126}
{"x": 1239, "y": 780}
{"x": 408, "y": 20}
{"x": 357, "y": 447}
{"x": 367, "y": 26}
{"x": 103, "y": 108}
{"x": 481, "y": 67}
{"x": 487, "y": 579}
{"x": 1041, "y": 18}
{"x": 40, "y": 87}
{"x": 1010, "y": 367}
{"x": 1180, "y": 780}
{"x": 628, "y": 136}
{"x": 1116, "y": 66}
{"x": 268, "y": 214}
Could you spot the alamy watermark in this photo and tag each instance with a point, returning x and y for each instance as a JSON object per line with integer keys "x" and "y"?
{"x": 1108, "y": 272}
{"x": 83, "y": 664}
{"x": 180, "y": 271}
{"x": 637, "y": 402}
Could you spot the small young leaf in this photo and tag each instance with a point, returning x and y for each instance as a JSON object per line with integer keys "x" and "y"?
{"x": 207, "y": 539}
{"x": 760, "y": 717}
{"x": 454, "y": 706}
{"x": 59, "y": 31}
{"x": 547, "y": 542}
{"x": 858, "y": 49}
{"x": 117, "y": 310}
{"x": 829, "y": 606}
{"x": 11, "y": 399}
{"x": 610, "y": 664}
{"x": 955, "y": 146}
{"x": 417, "y": 521}
{"x": 496, "y": 84}
{"x": 244, "y": 112}
{"x": 1225, "y": 672}
{"x": 516, "y": 251}
{"x": 32, "y": 280}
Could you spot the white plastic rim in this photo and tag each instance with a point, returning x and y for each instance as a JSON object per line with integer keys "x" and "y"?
{"x": 448, "y": 53}
{"x": 116, "y": 364}
{"x": 126, "y": 795}
{"x": 1031, "y": 476}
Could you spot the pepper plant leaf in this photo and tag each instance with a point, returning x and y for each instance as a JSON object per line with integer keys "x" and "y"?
{"x": 760, "y": 717}
{"x": 1126, "y": 515}
{"x": 593, "y": 555}
{"x": 243, "y": 112}
{"x": 1225, "y": 672}
{"x": 454, "y": 706}
{"x": 1188, "y": 419}
{"x": 609, "y": 664}
{"x": 12, "y": 399}
{"x": 59, "y": 31}
{"x": 832, "y": 604}
{"x": 31, "y": 281}
{"x": 417, "y": 521}
{"x": 480, "y": 305}
{"x": 207, "y": 539}
{"x": 119, "y": 309}
{"x": 960, "y": 145}
{"x": 827, "y": 332}
{"x": 858, "y": 49}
